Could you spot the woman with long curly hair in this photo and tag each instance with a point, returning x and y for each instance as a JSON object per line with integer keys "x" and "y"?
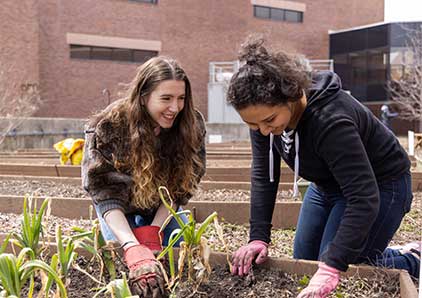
{"x": 152, "y": 137}
{"x": 360, "y": 174}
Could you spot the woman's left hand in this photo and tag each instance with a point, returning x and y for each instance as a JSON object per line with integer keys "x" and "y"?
{"x": 323, "y": 282}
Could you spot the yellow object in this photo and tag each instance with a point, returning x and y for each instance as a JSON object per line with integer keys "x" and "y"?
{"x": 70, "y": 149}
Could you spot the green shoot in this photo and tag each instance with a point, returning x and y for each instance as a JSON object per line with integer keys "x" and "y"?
{"x": 118, "y": 288}
{"x": 193, "y": 248}
{"x": 15, "y": 272}
{"x": 5, "y": 244}
{"x": 32, "y": 226}
{"x": 93, "y": 242}
{"x": 66, "y": 254}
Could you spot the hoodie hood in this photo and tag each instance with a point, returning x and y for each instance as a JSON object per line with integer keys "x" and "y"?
{"x": 325, "y": 87}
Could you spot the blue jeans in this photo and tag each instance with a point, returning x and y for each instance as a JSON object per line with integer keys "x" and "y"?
{"x": 136, "y": 221}
{"x": 321, "y": 214}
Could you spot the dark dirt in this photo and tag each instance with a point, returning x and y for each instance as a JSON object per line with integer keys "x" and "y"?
{"x": 274, "y": 283}
{"x": 263, "y": 283}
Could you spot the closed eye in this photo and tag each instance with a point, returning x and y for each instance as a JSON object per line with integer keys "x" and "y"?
{"x": 269, "y": 120}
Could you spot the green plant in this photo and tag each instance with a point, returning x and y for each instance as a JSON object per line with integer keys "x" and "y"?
{"x": 32, "y": 225}
{"x": 66, "y": 254}
{"x": 193, "y": 249}
{"x": 15, "y": 272}
{"x": 3, "y": 247}
{"x": 93, "y": 242}
{"x": 117, "y": 288}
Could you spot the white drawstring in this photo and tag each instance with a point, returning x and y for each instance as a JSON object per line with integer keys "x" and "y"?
{"x": 295, "y": 186}
{"x": 287, "y": 139}
{"x": 271, "y": 158}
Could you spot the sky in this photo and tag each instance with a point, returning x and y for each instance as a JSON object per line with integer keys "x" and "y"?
{"x": 402, "y": 10}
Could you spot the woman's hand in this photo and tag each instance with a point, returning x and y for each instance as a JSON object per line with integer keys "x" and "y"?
{"x": 145, "y": 275}
{"x": 243, "y": 257}
{"x": 323, "y": 282}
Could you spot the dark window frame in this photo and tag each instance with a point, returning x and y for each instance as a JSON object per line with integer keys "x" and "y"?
{"x": 272, "y": 10}
{"x": 112, "y": 50}
{"x": 146, "y": 1}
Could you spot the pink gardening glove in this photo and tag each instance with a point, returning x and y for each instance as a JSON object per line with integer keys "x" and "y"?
{"x": 323, "y": 282}
{"x": 243, "y": 257}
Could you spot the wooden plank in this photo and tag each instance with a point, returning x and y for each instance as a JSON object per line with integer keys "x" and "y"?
{"x": 65, "y": 180}
{"x": 407, "y": 287}
{"x": 285, "y": 213}
{"x": 27, "y": 169}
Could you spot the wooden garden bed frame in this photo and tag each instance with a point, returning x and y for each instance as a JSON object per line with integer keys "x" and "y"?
{"x": 285, "y": 213}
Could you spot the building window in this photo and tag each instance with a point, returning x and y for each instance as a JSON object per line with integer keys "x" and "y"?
{"x": 112, "y": 54}
{"x": 278, "y": 14}
{"x": 146, "y": 1}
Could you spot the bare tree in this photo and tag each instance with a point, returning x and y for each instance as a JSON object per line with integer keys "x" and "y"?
{"x": 406, "y": 90}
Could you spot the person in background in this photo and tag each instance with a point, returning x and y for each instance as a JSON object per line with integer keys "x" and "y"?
{"x": 361, "y": 183}
{"x": 152, "y": 137}
{"x": 387, "y": 115}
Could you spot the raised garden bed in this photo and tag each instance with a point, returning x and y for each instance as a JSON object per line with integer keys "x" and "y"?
{"x": 222, "y": 174}
{"x": 236, "y": 211}
{"x": 278, "y": 277}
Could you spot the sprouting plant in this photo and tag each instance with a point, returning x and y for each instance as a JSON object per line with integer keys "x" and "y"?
{"x": 304, "y": 281}
{"x": 93, "y": 242}
{"x": 31, "y": 226}
{"x": 193, "y": 249}
{"x": 65, "y": 255}
{"x": 117, "y": 288}
{"x": 15, "y": 272}
{"x": 3, "y": 247}
{"x": 61, "y": 261}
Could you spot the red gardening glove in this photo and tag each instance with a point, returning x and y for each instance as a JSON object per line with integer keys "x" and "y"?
{"x": 145, "y": 275}
{"x": 149, "y": 236}
{"x": 243, "y": 257}
{"x": 323, "y": 282}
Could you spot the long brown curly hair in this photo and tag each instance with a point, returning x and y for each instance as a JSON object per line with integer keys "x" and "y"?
{"x": 169, "y": 159}
{"x": 271, "y": 78}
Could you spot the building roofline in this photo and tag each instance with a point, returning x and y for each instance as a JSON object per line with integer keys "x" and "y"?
{"x": 370, "y": 25}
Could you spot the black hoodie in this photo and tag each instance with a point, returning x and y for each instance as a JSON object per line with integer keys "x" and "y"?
{"x": 343, "y": 148}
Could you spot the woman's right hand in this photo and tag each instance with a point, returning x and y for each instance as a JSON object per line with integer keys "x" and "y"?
{"x": 242, "y": 259}
{"x": 145, "y": 275}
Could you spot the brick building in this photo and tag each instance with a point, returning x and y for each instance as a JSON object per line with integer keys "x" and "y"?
{"x": 75, "y": 49}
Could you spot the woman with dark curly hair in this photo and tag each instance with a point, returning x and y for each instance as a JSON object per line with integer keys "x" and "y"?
{"x": 152, "y": 137}
{"x": 361, "y": 175}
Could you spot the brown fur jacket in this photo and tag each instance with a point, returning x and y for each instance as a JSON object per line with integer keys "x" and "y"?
{"x": 109, "y": 188}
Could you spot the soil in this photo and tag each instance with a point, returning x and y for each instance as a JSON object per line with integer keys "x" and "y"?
{"x": 274, "y": 283}
{"x": 261, "y": 283}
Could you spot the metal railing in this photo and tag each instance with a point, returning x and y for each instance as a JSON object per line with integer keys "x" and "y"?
{"x": 221, "y": 72}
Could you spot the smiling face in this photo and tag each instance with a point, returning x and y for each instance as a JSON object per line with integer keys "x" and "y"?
{"x": 165, "y": 102}
{"x": 268, "y": 119}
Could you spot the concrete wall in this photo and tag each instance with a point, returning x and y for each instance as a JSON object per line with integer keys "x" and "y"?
{"x": 44, "y": 132}
{"x": 39, "y": 132}
{"x": 194, "y": 32}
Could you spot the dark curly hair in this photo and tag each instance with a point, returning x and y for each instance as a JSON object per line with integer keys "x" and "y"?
{"x": 267, "y": 78}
